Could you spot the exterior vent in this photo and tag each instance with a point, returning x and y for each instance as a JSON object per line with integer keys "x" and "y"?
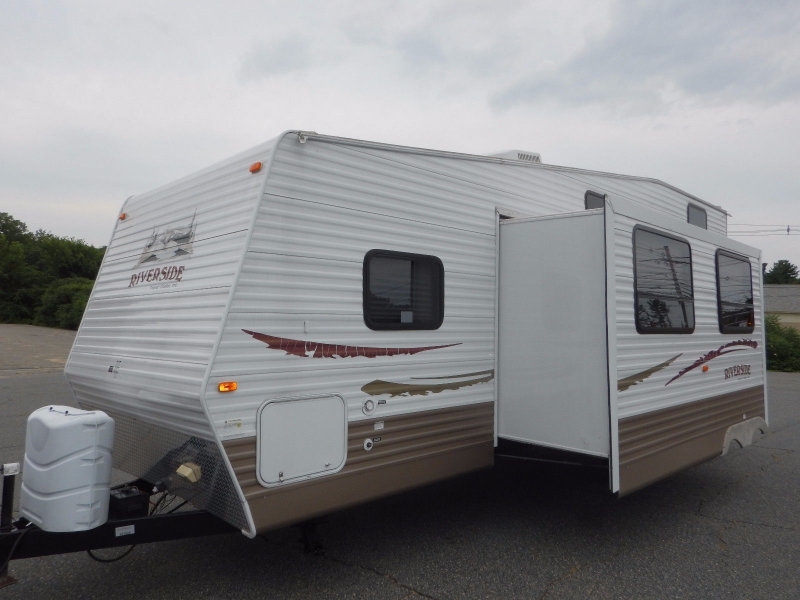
{"x": 523, "y": 155}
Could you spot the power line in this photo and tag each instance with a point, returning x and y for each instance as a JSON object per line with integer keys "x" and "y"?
{"x": 761, "y": 225}
{"x": 743, "y": 234}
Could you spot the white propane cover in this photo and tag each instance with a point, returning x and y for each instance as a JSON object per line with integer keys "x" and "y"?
{"x": 66, "y": 477}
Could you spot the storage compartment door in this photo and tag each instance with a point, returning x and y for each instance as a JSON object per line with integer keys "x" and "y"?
{"x": 301, "y": 438}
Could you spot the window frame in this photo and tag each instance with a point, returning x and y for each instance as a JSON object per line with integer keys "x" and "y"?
{"x": 689, "y": 208}
{"x": 660, "y": 330}
{"x": 722, "y": 328}
{"x": 601, "y": 197}
{"x": 393, "y": 254}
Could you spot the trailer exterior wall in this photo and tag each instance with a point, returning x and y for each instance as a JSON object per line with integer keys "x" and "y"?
{"x": 326, "y": 204}
{"x": 147, "y": 338}
{"x": 670, "y": 414}
{"x": 652, "y": 195}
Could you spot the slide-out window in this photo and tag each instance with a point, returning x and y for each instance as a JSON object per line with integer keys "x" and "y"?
{"x": 734, "y": 293}
{"x": 403, "y": 291}
{"x": 664, "y": 294}
{"x": 697, "y": 216}
{"x": 594, "y": 200}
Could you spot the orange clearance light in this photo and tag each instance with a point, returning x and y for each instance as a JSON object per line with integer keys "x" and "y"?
{"x": 227, "y": 386}
{"x": 705, "y": 368}
{"x": 123, "y": 216}
{"x": 255, "y": 167}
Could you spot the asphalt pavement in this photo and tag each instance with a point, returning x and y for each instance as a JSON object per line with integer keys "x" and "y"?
{"x": 724, "y": 529}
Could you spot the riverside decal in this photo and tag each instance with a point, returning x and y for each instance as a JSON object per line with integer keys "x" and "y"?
{"x": 737, "y": 371}
{"x": 165, "y": 276}
{"x": 736, "y": 346}
{"x": 174, "y": 241}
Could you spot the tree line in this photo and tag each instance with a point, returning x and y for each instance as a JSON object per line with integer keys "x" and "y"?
{"x": 44, "y": 279}
{"x": 782, "y": 271}
{"x": 783, "y": 342}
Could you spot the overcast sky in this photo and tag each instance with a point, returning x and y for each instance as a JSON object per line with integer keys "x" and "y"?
{"x": 102, "y": 100}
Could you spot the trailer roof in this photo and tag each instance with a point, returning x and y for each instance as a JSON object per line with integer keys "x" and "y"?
{"x": 313, "y": 135}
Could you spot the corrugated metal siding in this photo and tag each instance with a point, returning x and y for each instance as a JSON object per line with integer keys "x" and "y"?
{"x": 657, "y": 444}
{"x": 552, "y": 189}
{"x": 413, "y": 450}
{"x": 327, "y": 204}
{"x": 159, "y": 336}
{"x": 637, "y": 352}
{"x": 156, "y": 391}
{"x": 324, "y": 209}
{"x": 652, "y": 195}
{"x": 520, "y": 188}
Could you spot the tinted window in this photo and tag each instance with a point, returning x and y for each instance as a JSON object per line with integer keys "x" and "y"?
{"x": 697, "y": 216}
{"x": 663, "y": 283}
{"x": 735, "y": 293}
{"x": 403, "y": 291}
{"x": 594, "y": 200}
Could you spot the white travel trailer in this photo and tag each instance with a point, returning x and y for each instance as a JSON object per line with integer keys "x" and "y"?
{"x": 321, "y": 321}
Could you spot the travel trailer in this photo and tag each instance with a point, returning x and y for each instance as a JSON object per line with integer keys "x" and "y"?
{"x": 319, "y": 321}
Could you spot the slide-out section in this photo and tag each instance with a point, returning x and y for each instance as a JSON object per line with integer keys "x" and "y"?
{"x": 553, "y": 374}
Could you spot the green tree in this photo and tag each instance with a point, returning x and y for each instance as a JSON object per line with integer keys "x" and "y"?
{"x": 13, "y": 230}
{"x": 44, "y": 279}
{"x": 783, "y": 346}
{"x": 782, "y": 271}
{"x": 63, "y": 303}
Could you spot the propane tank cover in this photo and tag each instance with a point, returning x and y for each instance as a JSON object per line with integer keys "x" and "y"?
{"x": 66, "y": 476}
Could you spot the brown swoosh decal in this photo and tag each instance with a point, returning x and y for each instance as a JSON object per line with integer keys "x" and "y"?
{"x": 308, "y": 349}
{"x": 378, "y": 386}
{"x": 631, "y": 380}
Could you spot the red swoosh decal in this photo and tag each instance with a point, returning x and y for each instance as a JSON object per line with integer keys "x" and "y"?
{"x": 308, "y": 349}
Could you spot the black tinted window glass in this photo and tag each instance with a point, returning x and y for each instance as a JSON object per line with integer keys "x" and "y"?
{"x": 697, "y": 216}
{"x": 735, "y": 289}
{"x": 663, "y": 284}
{"x": 403, "y": 291}
{"x": 594, "y": 200}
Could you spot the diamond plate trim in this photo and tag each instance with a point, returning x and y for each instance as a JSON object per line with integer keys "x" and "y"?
{"x": 154, "y": 453}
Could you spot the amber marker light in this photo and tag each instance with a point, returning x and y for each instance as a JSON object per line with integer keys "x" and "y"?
{"x": 123, "y": 216}
{"x": 255, "y": 167}
{"x": 227, "y": 386}
{"x": 705, "y": 368}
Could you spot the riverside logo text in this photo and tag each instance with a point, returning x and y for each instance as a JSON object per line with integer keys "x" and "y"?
{"x": 157, "y": 275}
{"x": 737, "y": 371}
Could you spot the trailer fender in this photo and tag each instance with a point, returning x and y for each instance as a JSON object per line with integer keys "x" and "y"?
{"x": 743, "y": 433}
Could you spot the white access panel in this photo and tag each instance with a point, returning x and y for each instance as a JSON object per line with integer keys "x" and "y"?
{"x": 301, "y": 438}
{"x": 552, "y": 364}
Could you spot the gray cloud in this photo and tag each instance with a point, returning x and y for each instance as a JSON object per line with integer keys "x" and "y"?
{"x": 277, "y": 58}
{"x": 421, "y": 50}
{"x": 658, "y": 54}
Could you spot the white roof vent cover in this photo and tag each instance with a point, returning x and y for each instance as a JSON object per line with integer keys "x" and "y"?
{"x": 523, "y": 155}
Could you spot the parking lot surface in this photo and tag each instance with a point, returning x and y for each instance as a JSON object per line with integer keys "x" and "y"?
{"x": 724, "y": 529}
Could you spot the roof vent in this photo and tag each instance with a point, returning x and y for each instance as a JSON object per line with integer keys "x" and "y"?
{"x": 523, "y": 155}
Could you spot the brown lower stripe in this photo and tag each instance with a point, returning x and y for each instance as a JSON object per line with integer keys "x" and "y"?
{"x": 658, "y": 444}
{"x": 414, "y": 450}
